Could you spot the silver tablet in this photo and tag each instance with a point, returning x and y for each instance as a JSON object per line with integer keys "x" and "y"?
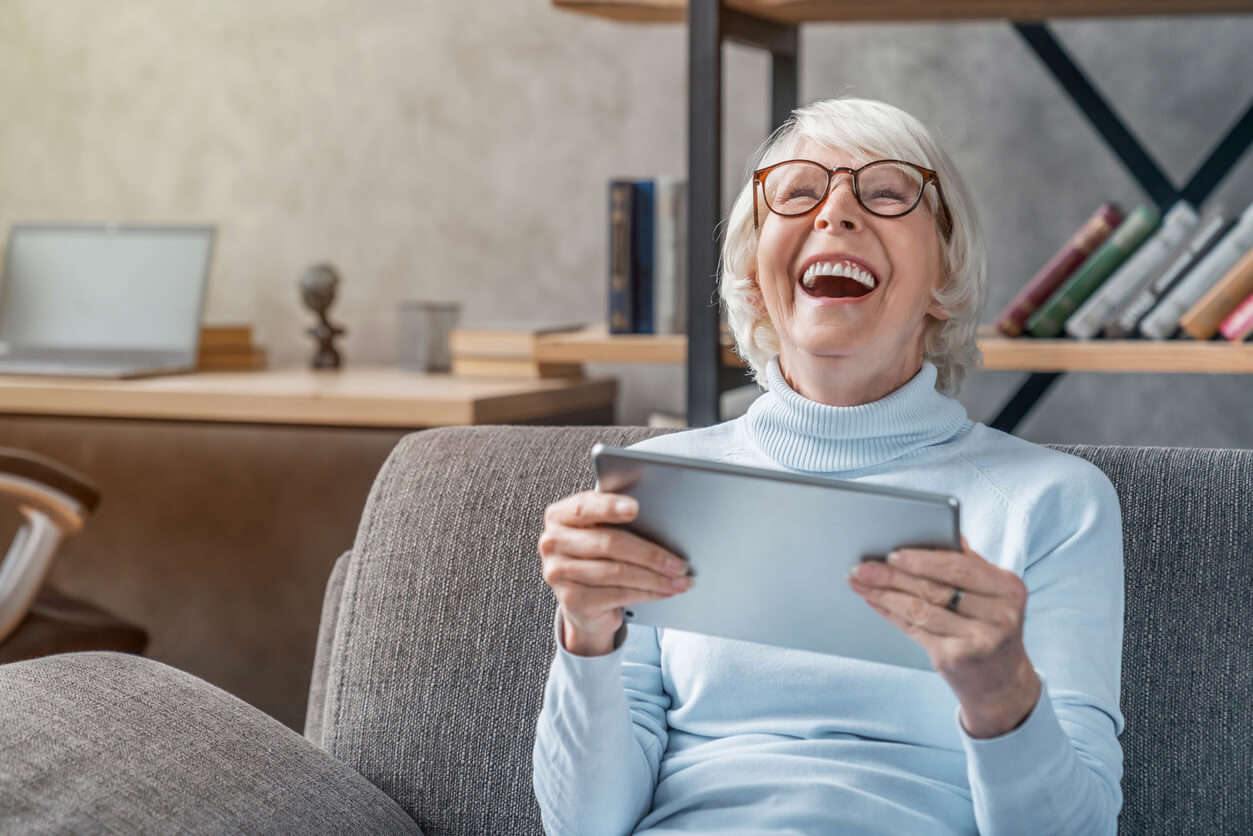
{"x": 771, "y": 550}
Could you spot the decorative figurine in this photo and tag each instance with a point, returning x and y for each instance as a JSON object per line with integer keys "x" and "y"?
{"x": 317, "y": 291}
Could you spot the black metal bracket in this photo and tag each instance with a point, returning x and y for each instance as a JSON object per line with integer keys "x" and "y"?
{"x": 1023, "y": 400}
{"x": 709, "y": 25}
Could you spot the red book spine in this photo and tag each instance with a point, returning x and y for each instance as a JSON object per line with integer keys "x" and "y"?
{"x": 1087, "y": 238}
{"x": 1238, "y": 324}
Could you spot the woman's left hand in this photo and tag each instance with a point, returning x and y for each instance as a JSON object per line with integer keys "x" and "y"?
{"x": 977, "y": 647}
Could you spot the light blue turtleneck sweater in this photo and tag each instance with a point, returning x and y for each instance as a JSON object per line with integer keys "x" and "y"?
{"x": 675, "y": 732}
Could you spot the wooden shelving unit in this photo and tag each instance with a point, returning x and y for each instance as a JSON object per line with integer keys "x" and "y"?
{"x": 773, "y": 26}
{"x": 597, "y": 345}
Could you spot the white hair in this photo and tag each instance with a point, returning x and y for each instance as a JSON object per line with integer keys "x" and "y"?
{"x": 877, "y": 130}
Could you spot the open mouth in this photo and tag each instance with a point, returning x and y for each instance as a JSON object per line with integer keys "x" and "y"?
{"x": 835, "y": 287}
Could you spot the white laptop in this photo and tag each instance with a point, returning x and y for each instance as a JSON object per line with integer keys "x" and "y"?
{"x": 102, "y": 300}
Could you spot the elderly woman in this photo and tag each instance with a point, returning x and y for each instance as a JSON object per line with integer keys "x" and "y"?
{"x": 853, "y": 277}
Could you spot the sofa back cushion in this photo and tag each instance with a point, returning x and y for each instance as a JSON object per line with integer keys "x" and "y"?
{"x": 1187, "y": 676}
{"x": 437, "y": 658}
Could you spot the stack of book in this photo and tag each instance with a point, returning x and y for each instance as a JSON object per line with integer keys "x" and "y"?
{"x": 1144, "y": 275}
{"x": 229, "y": 348}
{"x": 506, "y": 349}
{"x": 648, "y": 256}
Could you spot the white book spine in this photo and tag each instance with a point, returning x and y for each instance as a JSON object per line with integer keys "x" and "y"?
{"x": 1124, "y": 321}
{"x": 1162, "y": 322}
{"x": 663, "y": 278}
{"x": 670, "y": 257}
{"x": 1088, "y": 320}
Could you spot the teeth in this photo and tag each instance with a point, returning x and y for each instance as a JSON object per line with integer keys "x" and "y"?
{"x": 836, "y": 268}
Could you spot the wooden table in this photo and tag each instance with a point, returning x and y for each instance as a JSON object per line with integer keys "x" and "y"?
{"x": 356, "y": 397}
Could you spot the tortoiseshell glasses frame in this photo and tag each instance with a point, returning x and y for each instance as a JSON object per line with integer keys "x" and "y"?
{"x": 927, "y": 176}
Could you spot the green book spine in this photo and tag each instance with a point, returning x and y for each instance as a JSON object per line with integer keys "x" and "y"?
{"x": 1051, "y": 317}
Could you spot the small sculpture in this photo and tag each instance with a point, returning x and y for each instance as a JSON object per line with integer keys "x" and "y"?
{"x": 317, "y": 291}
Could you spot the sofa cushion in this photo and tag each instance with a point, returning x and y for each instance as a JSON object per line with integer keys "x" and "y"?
{"x": 1187, "y": 680}
{"x": 114, "y": 743}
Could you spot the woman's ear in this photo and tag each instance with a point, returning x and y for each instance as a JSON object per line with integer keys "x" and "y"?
{"x": 936, "y": 310}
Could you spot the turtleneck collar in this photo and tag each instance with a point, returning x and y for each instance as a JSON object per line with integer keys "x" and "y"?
{"x": 801, "y": 434}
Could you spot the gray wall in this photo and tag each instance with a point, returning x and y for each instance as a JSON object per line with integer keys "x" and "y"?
{"x": 460, "y": 151}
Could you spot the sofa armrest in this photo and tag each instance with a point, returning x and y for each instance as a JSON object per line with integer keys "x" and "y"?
{"x": 322, "y": 655}
{"x": 114, "y": 743}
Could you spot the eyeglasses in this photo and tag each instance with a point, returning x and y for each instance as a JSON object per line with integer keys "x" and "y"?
{"x": 887, "y": 188}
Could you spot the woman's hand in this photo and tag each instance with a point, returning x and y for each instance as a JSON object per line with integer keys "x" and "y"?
{"x": 596, "y": 570}
{"x": 977, "y": 648}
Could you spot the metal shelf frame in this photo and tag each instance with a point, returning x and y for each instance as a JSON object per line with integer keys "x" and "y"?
{"x": 710, "y": 25}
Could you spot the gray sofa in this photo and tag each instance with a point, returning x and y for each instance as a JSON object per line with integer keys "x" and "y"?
{"x": 437, "y": 634}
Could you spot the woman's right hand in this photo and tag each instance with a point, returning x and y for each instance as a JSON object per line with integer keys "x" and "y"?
{"x": 596, "y": 570}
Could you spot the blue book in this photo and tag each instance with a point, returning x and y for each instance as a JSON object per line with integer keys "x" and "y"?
{"x": 643, "y": 213}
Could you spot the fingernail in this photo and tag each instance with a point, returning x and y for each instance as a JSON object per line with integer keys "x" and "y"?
{"x": 893, "y": 557}
{"x": 868, "y": 572}
{"x": 625, "y": 506}
{"x": 681, "y": 582}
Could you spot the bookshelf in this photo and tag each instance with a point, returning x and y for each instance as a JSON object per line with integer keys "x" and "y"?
{"x": 773, "y": 26}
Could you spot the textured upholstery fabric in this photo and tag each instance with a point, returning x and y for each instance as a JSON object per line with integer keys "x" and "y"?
{"x": 1187, "y": 684}
{"x": 113, "y": 743}
{"x": 441, "y": 646}
{"x": 444, "y": 634}
{"x": 322, "y": 654}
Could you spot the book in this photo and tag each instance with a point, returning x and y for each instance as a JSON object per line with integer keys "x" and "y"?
{"x": 1178, "y": 223}
{"x": 511, "y": 367}
{"x": 621, "y": 295}
{"x": 1201, "y": 321}
{"x": 1163, "y": 320}
{"x": 1049, "y": 319}
{"x": 226, "y": 336}
{"x": 1123, "y": 322}
{"x": 1238, "y": 325}
{"x": 643, "y": 218}
{"x": 1095, "y": 230}
{"x": 230, "y": 360}
{"x": 670, "y": 261}
{"x": 503, "y": 340}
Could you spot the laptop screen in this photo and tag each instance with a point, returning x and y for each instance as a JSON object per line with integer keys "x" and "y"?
{"x": 105, "y": 287}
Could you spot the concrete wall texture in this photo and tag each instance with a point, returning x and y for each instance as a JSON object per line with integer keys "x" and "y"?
{"x": 460, "y": 151}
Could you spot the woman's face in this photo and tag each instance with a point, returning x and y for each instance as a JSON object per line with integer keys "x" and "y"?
{"x": 882, "y": 330}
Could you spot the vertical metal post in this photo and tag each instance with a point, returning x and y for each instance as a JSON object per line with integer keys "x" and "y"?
{"x": 704, "y": 166}
{"x": 784, "y": 90}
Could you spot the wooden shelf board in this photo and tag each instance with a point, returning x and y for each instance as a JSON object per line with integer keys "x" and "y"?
{"x": 1029, "y": 354}
{"x": 596, "y": 345}
{"x": 805, "y": 11}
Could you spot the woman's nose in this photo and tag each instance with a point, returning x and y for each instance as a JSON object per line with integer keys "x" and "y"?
{"x": 840, "y": 206}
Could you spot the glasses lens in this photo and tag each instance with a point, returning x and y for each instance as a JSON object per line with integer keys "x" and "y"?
{"x": 795, "y": 188}
{"x": 889, "y": 188}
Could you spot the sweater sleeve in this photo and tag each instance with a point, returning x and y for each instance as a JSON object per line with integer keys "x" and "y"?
{"x": 600, "y": 735}
{"x": 1060, "y": 770}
